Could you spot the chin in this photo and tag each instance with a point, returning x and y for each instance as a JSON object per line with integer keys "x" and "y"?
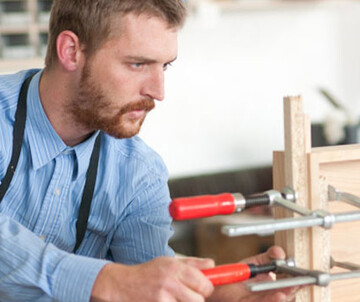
{"x": 124, "y": 133}
{"x": 123, "y": 129}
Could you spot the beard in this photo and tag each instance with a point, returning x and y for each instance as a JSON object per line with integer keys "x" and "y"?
{"x": 94, "y": 110}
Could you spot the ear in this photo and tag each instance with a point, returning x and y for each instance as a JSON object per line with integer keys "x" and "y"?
{"x": 69, "y": 50}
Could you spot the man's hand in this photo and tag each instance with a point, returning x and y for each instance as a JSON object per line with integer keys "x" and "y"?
{"x": 163, "y": 279}
{"x": 237, "y": 292}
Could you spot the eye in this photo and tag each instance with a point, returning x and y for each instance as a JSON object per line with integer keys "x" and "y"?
{"x": 165, "y": 66}
{"x": 137, "y": 65}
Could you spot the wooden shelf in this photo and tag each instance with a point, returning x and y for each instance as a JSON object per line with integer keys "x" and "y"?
{"x": 265, "y": 5}
{"x": 13, "y": 30}
{"x": 23, "y": 24}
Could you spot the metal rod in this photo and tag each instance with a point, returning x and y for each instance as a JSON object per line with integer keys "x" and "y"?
{"x": 346, "y": 265}
{"x": 351, "y": 199}
{"x": 282, "y": 283}
{"x": 286, "y": 224}
{"x": 297, "y": 281}
{"x": 292, "y": 206}
{"x": 346, "y": 275}
{"x": 347, "y": 216}
{"x": 270, "y": 227}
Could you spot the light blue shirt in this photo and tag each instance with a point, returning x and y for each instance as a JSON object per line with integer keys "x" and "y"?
{"x": 129, "y": 220}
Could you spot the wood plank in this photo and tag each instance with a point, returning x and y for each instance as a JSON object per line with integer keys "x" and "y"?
{"x": 337, "y": 153}
{"x": 297, "y": 145}
{"x": 344, "y": 247}
{"x": 320, "y": 237}
{"x": 309, "y": 171}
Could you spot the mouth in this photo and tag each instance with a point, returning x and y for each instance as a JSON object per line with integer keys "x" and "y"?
{"x": 137, "y": 114}
{"x": 139, "y": 110}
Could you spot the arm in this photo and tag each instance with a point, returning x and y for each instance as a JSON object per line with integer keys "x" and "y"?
{"x": 31, "y": 269}
{"x": 164, "y": 279}
{"x": 144, "y": 232}
{"x": 141, "y": 239}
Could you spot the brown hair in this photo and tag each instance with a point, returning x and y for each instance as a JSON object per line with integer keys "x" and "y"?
{"x": 91, "y": 20}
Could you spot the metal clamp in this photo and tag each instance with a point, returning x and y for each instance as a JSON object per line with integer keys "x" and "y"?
{"x": 302, "y": 276}
{"x": 240, "y": 202}
{"x": 351, "y": 199}
{"x": 328, "y": 219}
{"x": 308, "y": 218}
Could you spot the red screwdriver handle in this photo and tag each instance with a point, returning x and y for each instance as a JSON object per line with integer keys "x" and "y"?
{"x": 229, "y": 273}
{"x": 202, "y": 206}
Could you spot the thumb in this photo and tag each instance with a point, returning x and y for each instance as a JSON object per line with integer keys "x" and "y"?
{"x": 274, "y": 252}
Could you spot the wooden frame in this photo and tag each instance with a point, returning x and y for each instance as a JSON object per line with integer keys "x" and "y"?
{"x": 309, "y": 171}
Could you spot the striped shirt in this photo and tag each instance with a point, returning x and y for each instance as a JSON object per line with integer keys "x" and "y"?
{"x": 128, "y": 223}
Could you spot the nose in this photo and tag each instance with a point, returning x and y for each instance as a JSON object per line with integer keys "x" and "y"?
{"x": 154, "y": 84}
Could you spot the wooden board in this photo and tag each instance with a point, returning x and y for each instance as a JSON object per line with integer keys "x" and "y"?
{"x": 309, "y": 171}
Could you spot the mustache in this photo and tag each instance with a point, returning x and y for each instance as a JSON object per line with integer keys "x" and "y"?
{"x": 145, "y": 104}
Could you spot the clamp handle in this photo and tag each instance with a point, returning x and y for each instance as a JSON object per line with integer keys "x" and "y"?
{"x": 211, "y": 205}
{"x": 228, "y": 273}
{"x": 231, "y": 273}
{"x": 202, "y": 206}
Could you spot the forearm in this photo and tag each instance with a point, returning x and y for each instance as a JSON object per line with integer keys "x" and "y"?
{"x": 30, "y": 268}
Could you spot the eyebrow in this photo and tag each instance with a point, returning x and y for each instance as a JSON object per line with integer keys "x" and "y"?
{"x": 146, "y": 60}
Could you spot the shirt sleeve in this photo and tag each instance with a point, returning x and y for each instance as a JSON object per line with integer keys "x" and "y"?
{"x": 32, "y": 270}
{"x": 144, "y": 233}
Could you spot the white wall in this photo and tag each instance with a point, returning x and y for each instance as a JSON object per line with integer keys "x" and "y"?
{"x": 223, "y": 107}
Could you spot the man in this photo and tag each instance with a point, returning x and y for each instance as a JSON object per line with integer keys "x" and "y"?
{"x": 76, "y": 179}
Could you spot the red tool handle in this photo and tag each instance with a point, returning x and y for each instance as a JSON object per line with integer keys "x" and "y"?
{"x": 229, "y": 273}
{"x": 202, "y": 206}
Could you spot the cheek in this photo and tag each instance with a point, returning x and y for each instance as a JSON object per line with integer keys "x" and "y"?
{"x": 126, "y": 87}
{"x": 118, "y": 82}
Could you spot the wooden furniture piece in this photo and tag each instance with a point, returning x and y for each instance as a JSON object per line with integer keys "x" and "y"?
{"x": 309, "y": 171}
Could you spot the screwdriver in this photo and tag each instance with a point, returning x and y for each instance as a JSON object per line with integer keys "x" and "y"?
{"x": 211, "y": 205}
{"x": 231, "y": 273}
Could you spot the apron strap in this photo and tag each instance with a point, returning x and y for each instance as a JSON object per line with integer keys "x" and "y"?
{"x": 18, "y": 136}
{"x": 84, "y": 211}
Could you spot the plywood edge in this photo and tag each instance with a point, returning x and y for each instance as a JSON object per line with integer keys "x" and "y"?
{"x": 320, "y": 237}
{"x": 337, "y": 153}
{"x": 285, "y": 239}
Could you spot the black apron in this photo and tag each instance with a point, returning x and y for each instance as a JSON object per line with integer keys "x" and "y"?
{"x": 18, "y": 135}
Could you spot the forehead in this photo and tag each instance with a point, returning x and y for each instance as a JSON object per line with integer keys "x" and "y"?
{"x": 144, "y": 34}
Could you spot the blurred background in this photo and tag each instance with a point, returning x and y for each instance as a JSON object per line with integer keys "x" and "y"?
{"x": 222, "y": 116}
{"x": 237, "y": 59}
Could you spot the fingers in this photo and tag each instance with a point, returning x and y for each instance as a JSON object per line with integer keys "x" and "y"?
{"x": 275, "y": 297}
{"x": 179, "y": 280}
{"x": 199, "y": 263}
{"x": 194, "y": 279}
{"x": 283, "y": 295}
{"x": 278, "y": 295}
{"x": 184, "y": 293}
{"x": 274, "y": 252}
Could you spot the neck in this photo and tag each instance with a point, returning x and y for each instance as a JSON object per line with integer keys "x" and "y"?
{"x": 57, "y": 90}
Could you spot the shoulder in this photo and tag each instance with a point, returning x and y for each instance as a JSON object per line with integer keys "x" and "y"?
{"x": 10, "y": 85}
{"x": 134, "y": 153}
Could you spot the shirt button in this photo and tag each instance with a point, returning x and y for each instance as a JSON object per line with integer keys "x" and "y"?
{"x": 57, "y": 192}
{"x": 42, "y": 237}
{"x": 67, "y": 151}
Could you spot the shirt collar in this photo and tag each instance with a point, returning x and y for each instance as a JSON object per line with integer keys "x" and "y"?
{"x": 45, "y": 144}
